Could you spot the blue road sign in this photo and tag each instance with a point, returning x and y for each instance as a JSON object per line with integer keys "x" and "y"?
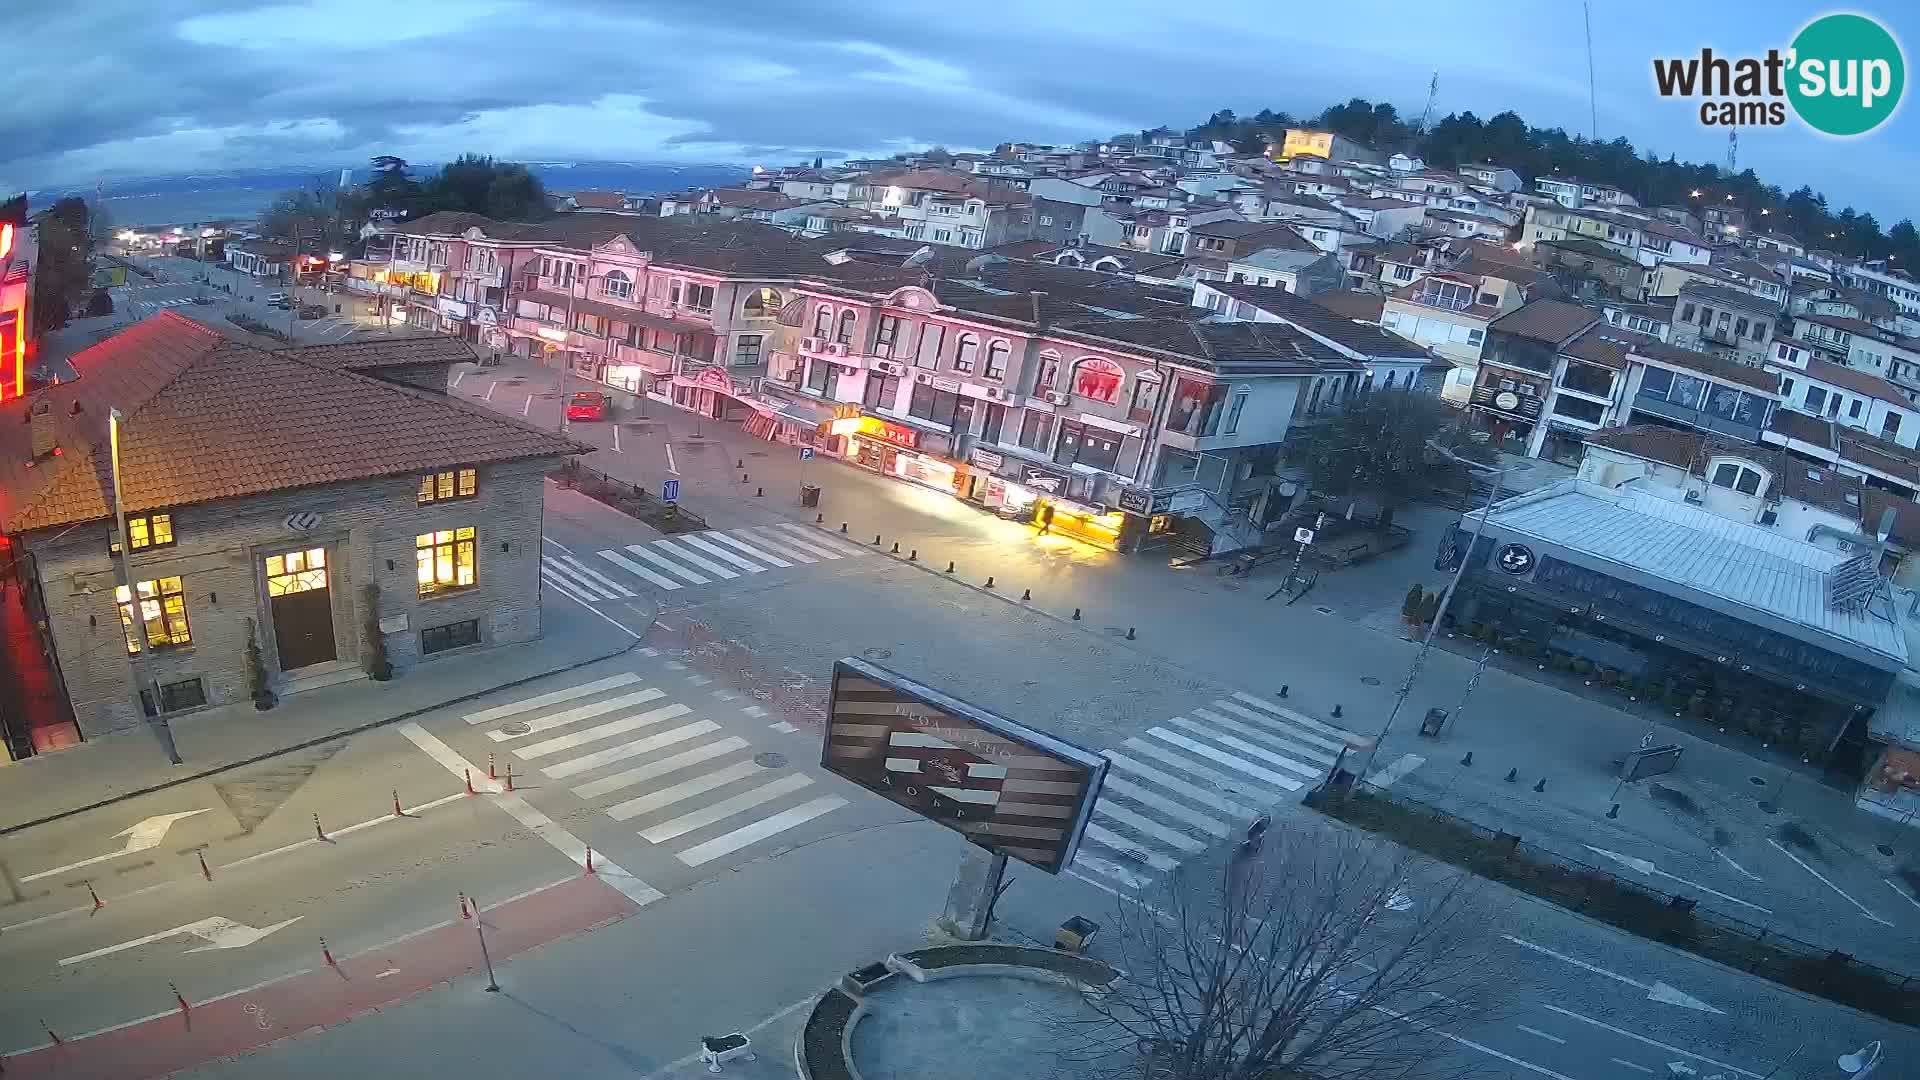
{"x": 806, "y": 453}
{"x": 670, "y": 491}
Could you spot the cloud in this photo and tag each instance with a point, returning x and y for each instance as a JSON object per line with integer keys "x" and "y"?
{"x": 115, "y": 86}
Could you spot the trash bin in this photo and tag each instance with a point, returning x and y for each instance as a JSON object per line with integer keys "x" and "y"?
{"x": 1075, "y": 935}
{"x": 810, "y": 495}
{"x": 1435, "y": 720}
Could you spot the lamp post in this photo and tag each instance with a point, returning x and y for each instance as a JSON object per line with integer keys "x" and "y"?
{"x": 1446, "y": 598}
{"x": 137, "y": 662}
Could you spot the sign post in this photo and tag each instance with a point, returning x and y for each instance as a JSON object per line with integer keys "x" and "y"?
{"x": 1011, "y": 790}
{"x": 670, "y": 491}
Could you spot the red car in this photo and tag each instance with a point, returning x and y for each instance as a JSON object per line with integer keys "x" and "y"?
{"x": 587, "y": 405}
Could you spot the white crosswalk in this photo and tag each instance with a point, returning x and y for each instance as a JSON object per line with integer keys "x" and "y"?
{"x": 685, "y": 783}
{"x": 1198, "y": 779}
{"x": 694, "y": 559}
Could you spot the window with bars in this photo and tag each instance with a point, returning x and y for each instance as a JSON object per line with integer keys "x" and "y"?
{"x": 445, "y": 561}
{"x": 436, "y": 639}
{"x": 175, "y": 696}
{"x": 147, "y": 530}
{"x": 163, "y": 609}
{"x": 448, "y": 484}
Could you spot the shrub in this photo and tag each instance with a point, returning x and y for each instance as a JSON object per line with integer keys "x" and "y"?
{"x": 1414, "y": 603}
{"x": 1430, "y": 608}
{"x": 376, "y": 641}
{"x": 257, "y": 685}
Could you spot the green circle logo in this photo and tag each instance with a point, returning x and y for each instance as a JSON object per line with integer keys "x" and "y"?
{"x": 1847, "y": 74}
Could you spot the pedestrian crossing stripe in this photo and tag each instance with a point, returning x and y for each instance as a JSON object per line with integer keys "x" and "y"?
{"x": 1197, "y": 779}
{"x": 498, "y": 712}
{"x": 701, "y": 558}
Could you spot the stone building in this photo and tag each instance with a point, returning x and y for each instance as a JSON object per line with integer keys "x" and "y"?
{"x": 295, "y": 517}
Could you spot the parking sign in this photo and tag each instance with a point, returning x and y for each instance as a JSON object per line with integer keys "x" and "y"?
{"x": 806, "y": 453}
{"x": 670, "y": 491}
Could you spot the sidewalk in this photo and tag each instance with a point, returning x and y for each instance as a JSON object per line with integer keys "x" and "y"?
{"x": 130, "y": 763}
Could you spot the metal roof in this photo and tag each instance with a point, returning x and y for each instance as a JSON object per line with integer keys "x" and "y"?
{"x": 1748, "y": 565}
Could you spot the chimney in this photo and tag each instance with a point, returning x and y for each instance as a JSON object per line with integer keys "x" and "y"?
{"x": 40, "y": 427}
{"x": 1039, "y": 318}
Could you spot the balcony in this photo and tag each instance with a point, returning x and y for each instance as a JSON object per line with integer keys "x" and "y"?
{"x": 491, "y": 279}
{"x": 658, "y": 363}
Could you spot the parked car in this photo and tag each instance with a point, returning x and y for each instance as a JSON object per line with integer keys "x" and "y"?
{"x": 280, "y": 300}
{"x": 587, "y": 405}
{"x": 313, "y": 311}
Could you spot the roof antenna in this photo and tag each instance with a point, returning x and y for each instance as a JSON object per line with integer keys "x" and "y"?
{"x": 1593, "y": 105}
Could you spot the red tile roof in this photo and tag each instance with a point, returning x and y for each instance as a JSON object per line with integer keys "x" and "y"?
{"x": 599, "y": 200}
{"x": 209, "y": 418}
{"x": 1551, "y": 321}
{"x": 1860, "y": 382}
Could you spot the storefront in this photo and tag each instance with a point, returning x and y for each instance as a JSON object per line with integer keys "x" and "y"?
{"x": 486, "y": 328}
{"x": 453, "y": 317}
{"x": 713, "y": 393}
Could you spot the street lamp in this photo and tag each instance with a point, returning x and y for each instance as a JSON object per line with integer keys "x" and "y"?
{"x": 1861, "y": 1061}
{"x": 1446, "y": 598}
{"x": 139, "y": 616}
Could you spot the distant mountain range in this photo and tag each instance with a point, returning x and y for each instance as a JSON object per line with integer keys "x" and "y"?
{"x": 242, "y": 193}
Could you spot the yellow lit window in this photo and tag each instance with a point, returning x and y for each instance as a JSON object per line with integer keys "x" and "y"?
{"x": 163, "y": 608}
{"x": 148, "y": 530}
{"x": 444, "y": 560}
{"x": 448, "y": 484}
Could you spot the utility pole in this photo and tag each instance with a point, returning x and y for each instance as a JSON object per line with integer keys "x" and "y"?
{"x": 1593, "y": 102}
{"x": 566, "y": 377}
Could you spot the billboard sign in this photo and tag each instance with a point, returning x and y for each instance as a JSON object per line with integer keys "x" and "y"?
{"x": 1006, "y": 787}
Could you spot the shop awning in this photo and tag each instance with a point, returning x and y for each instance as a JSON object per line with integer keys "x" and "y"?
{"x": 805, "y": 413}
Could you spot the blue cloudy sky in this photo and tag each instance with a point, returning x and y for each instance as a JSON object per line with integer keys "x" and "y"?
{"x": 108, "y": 87}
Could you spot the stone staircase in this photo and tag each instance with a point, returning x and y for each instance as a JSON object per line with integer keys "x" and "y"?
{"x": 317, "y": 676}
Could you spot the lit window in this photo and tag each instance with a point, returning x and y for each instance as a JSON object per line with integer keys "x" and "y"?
{"x": 163, "y": 610}
{"x": 148, "y": 530}
{"x": 448, "y": 484}
{"x": 444, "y": 560}
{"x": 1097, "y": 379}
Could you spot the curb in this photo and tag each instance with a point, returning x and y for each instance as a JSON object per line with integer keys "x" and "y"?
{"x": 176, "y": 781}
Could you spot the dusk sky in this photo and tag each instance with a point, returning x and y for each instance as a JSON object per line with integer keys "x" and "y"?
{"x": 106, "y": 87}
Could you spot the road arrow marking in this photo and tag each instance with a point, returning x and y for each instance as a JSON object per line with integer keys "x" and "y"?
{"x": 1646, "y": 867}
{"x": 140, "y": 837}
{"x": 1656, "y": 991}
{"x": 217, "y": 932}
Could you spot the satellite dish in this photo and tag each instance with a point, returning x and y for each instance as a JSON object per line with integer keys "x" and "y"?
{"x": 919, "y": 258}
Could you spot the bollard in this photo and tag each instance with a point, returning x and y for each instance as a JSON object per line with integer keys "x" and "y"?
{"x": 318, "y": 833}
{"x": 327, "y": 954}
{"x": 491, "y": 775}
{"x": 1613, "y": 812}
{"x": 740, "y": 463}
{"x": 468, "y": 774}
{"x": 949, "y": 566}
{"x": 509, "y": 776}
{"x": 464, "y": 912}
{"x": 1336, "y": 711}
{"x": 397, "y": 812}
{"x": 1130, "y": 638}
{"x": 1283, "y": 689}
{"x": 896, "y": 547}
{"x": 843, "y": 527}
{"x": 759, "y": 493}
{"x": 876, "y": 539}
{"x": 1076, "y": 614}
{"x": 204, "y": 872}
{"x": 819, "y": 518}
{"x": 179, "y": 997}
{"x": 989, "y": 581}
{"x": 1542, "y": 785}
{"x": 97, "y": 904}
{"x": 51, "y": 1034}
{"x": 1512, "y": 775}
{"x": 1468, "y": 760}
{"x": 1026, "y": 594}
{"x": 589, "y": 858}
{"x": 913, "y": 555}
{"x": 744, "y": 478}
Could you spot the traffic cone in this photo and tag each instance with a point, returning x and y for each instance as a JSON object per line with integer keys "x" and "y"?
{"x": 179, "y": 997}
{"x": 318, "y": 833}
{"x": 465, "y": 912}
{"x": 204, "y": 872}
{"x": 397, "y": 812}
{"x": 97, "y": 904}
{"x": 589, "y": 858}
{"x": 509, "y": 776}
{"x": 327, "y": 954}
{"x": 468, "y": 774}
{"x": 491, "y": 775}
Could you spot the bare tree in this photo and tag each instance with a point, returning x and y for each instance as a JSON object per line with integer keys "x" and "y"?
{"x": 1327, "y": 954}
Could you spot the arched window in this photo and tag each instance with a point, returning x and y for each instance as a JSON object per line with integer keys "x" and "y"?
{"x": 965, "y": 352}
{"x": 997, "y": 354}
{"x": 845, "y": 336}
{"x": 823, "y": 321}
{"x": 1048, "y": 377}
{"x": 761, "y": 304}
{"x": 617, "y": 284}
{"x": 1097, "y": 379}
{"x": 1390, "y": 376}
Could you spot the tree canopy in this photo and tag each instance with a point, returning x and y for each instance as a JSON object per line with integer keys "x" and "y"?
{"x": 62, "y": 275}
{"x": 473, "y": 183}
{"x": 1378, "y": 446}
{"x": 1506, "y": 139}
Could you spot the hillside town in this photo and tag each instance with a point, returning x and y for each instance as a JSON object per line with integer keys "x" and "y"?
{"x": 1662, "y": 463}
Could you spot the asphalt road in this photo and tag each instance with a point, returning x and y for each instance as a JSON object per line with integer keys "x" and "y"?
{"x": 741, "y": 877}
{"x": 1814, "y": 871}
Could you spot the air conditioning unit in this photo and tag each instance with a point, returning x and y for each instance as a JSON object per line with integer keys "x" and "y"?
{"x": 812, "y": 344}
{"x": 924, "y": 378}
{"x": 1055, "y": 397}
{"x": 1693, "y": 496}
{"x": 890, "y": 367}
{"x": 838, "y": 348}
{"x": 996, "y": 394}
